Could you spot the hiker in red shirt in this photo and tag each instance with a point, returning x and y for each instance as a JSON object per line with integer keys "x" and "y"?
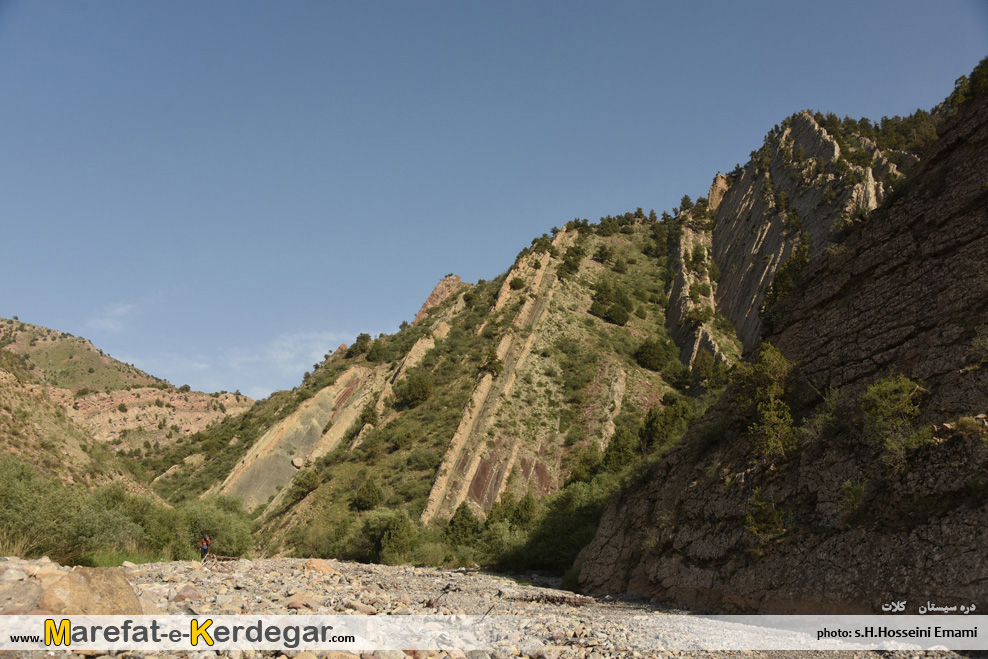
{"x": 204, "y": 546}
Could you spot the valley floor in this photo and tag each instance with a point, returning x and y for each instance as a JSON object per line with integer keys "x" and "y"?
{"x": 539, "y": 620}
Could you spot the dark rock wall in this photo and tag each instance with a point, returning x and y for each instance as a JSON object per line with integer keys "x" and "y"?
{"x": 711, "y": 528}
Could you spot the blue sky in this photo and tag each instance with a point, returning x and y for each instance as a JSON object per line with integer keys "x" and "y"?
{"x": 222, "y": 192}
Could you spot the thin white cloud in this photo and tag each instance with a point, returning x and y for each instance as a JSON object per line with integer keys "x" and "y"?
{"x": 256, "y": 371}
{"x": 287, "y": 355}
{"x": 112, "y": 319}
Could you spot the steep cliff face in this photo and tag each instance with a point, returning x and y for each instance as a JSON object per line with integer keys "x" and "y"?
{"x": 798, "y": 183}
{"x": 907, "y": 292}
{"x": 690, "y": 317}
{"x": 829, "y": 526}
{"x": 310, "y": 432}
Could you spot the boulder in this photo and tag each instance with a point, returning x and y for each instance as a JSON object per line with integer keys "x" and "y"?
{"x": 319, "y": 565}
{"x": 91, "y": 591}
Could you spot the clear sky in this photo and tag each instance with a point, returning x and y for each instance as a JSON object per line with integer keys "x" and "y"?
{"x": 221, "y": 192}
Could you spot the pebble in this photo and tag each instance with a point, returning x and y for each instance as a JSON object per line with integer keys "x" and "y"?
{"x": 552, "y": 623}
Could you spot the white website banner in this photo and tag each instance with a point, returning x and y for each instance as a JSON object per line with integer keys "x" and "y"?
{"x": 658, "y": 631}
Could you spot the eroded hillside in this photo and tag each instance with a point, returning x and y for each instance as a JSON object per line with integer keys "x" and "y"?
{"x": 497, "y": 391}
{"x": 801, "y": 192}
{"x": 34, "y": 428}
{"x": 96, "y": 402}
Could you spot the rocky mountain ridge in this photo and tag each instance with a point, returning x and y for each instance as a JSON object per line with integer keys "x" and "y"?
{"x": 882, "y": 334}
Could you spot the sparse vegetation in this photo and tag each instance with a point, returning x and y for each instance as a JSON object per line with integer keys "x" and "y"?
{"x": 889, "y": 407}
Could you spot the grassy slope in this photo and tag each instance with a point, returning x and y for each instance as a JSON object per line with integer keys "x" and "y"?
{"x": 62, "y": 360}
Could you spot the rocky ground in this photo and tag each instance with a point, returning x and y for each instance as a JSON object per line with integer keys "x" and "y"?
{"x": 552, "y": 623}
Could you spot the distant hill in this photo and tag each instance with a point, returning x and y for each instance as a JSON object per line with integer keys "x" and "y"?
{"x": 62, "y": 360}
{"x": 67, "y": 390}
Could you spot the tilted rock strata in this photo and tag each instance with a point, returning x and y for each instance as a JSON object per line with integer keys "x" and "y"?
{"x": 446, "y": 287}
{"x": 752, "y": 238}
{"x": 908, "y": 294}
{"x": 909, "y": 291}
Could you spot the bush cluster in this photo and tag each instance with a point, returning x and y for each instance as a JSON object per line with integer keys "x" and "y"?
{"x": 45, "y": 517}
{"x": 760, "y": 401}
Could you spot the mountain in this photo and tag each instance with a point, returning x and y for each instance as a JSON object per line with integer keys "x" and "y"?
{"x": 607, "y": 361}
{"x": 496, "y": 390}
{"x": 847, "y": 464}
{"x": 61, "y": 391}
{"x": 746, "y": 403}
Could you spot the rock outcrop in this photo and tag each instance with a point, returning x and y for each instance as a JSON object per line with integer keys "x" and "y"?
{"x": 908, "y": 292}
{"x": 313, "y": 430}
{"x": 691, "y": 295}
{"x": 778, "y": 197}
{"x": 446, "y": 287}
{"x": 831, "y": 528}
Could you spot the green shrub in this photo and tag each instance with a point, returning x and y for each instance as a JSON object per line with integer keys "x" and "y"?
{"x": 499, "y": 540}
{"x": 223, "y": 518}
{"x": 664, "y": 426}
{"x": 617, "y": 314}
{"x": 700, "y": 315}
{"x": 761, "y": 387}
{"x": 968, "y": 425}
{"x": 368, "y": 415}
{"x": 413, "y": 390}
{"x": 787, "y": 276}
{"x": 763, "y": 519}
{"x": 567, "y": 524}
{"x": 366, "y": 544}
{"x": 378, "y": 353}
{"x": 598, "y": 309}
{"x": 889, "y": 407}
{"x": 760, "y": 381}
{"x": 368, "y": 496}
{"x": 42, "y": 516}
{"x": 979, "y": 348}
{"x": 398, "y": 539}
{"x": 676, "y": 374}
{"x": 360, "y": 346}
{"x": 851, "y": 495}
{"x": 653, "y": 354}
{"x": 589, "y": 461}
{"x": 622, "y": 450}
{"x": 302, "y": 484}
{"x": 463, "y": 528}
{"x": 774, "y": 431}
{"x": 493, "y": 365}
